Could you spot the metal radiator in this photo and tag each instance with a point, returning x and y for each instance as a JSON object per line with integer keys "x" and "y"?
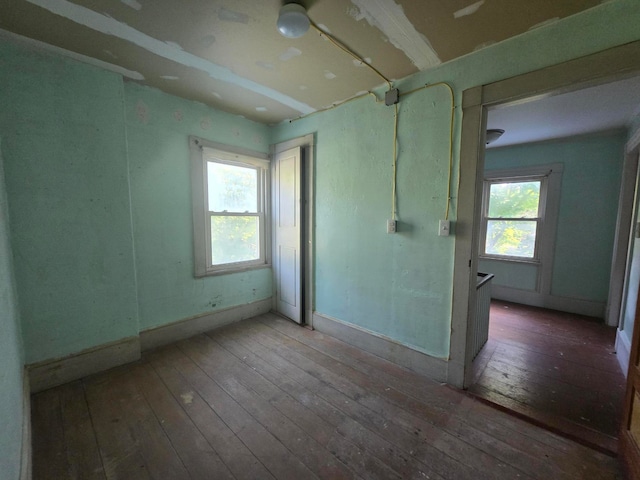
{"x": 481, "y": 320}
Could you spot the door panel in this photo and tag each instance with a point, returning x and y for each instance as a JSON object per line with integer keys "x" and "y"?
{"x": 287, "y": 209}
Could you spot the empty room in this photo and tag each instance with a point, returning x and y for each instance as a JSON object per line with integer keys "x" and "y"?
{"x": 243, "y": 239}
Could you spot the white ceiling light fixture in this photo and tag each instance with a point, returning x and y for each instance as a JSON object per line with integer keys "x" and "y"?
{"x": 493, "y": 134}
{"x": 293, "y": 21}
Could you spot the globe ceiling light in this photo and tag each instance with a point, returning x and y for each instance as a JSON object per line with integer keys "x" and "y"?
{"x": 293, "y": 21}
{"x": 493, "y": 134}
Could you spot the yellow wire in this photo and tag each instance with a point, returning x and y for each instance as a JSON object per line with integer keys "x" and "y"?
{"x": 429, "y": 85}
{"x": 346, "y": 49}
{"x": 395, "y": 164}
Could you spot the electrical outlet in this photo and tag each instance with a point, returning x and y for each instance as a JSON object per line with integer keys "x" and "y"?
{"x": 444, "y": 227}
{"x": 391, "y": 226}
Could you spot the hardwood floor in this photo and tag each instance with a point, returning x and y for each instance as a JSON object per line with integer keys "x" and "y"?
{"x": 555, "y": 368}
{"x": 266, "y": 399}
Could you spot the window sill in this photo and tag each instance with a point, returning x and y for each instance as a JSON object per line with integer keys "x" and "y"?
{"x": 529, "y": 261}
{"x": 226, "y": 271}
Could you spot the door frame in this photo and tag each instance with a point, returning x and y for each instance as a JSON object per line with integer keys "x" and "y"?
{"x": 623, "y": 239}
{"x": 603, "y": 67}
{"x": 628, "y": 447}
{"x": 307, "y": 242}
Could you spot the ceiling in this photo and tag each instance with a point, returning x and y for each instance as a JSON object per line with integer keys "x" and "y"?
{"x": 595, "y": 109}
{"x": 229, "y": 55}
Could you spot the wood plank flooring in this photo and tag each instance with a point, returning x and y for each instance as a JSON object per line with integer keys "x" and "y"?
{"x": 266, "y": 399}
{"x": 555, "y": 368}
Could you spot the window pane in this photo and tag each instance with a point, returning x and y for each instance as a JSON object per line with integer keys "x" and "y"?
{"x": 511, "y": 238}
{"x": 232, "y": 188}
{"x": 234, "y": 239}
{"x": 514, "y": 199}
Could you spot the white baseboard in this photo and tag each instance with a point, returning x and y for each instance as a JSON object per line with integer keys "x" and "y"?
{"x": 623, "y": 351}
{"x": 25, "y": 454}
{"x": 51, "y": 373}
{"x": 384, "y": 347}
{"x": 166, "y": 334}
{"x": 552, "y": 302}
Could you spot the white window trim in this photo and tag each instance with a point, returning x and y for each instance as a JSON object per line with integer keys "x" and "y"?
{"x": 540, "y": 227}
{"x": 549, "y": 211}
{"x": 202, "y": 151}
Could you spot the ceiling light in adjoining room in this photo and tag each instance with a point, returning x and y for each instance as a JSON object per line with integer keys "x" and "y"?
{"x": 493, "y": 134}
{"x": 293, "y": 21}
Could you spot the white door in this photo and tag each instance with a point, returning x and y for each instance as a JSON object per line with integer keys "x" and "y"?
{"x": 287, "y": 231}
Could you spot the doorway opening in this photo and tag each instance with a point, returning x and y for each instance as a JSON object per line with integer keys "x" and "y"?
{"x": 532, "y": 338}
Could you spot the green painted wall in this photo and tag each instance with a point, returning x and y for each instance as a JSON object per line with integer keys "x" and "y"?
{"x": 400, "y": 285}
{"x": 587, "y": 212}
{"x": 96, "y": 169}
{"x": 158, "y": 127}
{"x": 66, "y": 173}
{"x": 11, "y": 354}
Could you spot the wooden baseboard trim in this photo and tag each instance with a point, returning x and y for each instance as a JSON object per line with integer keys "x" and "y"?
{"x": 384, "y": 347}
{"x": 552, "y": 302}
{"x": 25, "y": 454}
{"x": 51, "y": 373}
{"x": 166, "y": 334}
{"x": 623, "y": 351}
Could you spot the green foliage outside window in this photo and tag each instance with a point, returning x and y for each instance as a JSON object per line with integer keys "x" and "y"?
{"x": 235, "y": 221}
{"x": 513, "y": 212}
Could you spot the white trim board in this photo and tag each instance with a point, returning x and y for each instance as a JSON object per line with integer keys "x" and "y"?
{"x": 552, "y": 302}
{"x": 25, "y": 453}
{"x": 51, "y": 373}
{"x": 188, "y": 327}
{"x": 403, "y": 355}
{"x": 623, "y": 351}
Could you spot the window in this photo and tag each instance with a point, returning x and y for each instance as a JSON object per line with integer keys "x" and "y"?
{"x": 230, "y": 198}
{"x": 513, "y": 214}
{"x": 512, "y": 217}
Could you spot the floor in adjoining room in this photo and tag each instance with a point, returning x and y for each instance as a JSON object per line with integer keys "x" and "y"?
{"x": 265, "y": 399}
{"x": 558, "y": 369}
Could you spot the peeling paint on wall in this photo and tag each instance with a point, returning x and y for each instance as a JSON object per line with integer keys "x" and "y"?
{"x": 109, "y": 26}
{"x": 389, "y": 17}
{"x": 470, "y": 10}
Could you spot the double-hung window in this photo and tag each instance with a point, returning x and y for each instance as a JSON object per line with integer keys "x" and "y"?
{"x": 513, "y": 217}
{"x": 230, "y": 207}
